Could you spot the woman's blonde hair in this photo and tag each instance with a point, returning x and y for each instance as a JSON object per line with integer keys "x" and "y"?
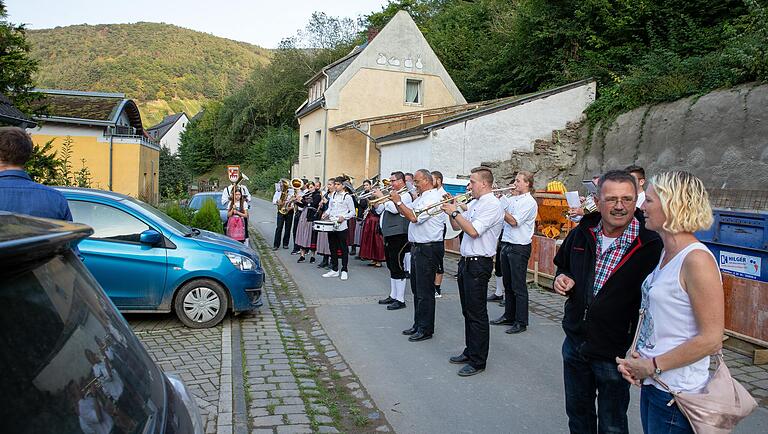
{"x": 684, "y": 200}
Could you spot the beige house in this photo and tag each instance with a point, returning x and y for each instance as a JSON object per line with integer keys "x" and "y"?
{"x": 395, "y": 72}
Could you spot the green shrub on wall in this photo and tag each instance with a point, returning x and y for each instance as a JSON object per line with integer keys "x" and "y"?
{"x": 208, "y": 218}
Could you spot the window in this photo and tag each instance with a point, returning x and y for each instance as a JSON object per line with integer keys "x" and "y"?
{"x": 108, "y": 223}
{"x": 413, "y": 91}
{"x": 318, "y": 144}
{"x": 305, "y": 146}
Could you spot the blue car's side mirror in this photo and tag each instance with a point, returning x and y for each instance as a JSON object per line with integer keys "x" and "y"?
{"x": 151, "y": 237}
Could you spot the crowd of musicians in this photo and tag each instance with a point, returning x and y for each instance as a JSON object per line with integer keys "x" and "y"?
{"x": 403, "y": 222}
{"x": 618, "y": 258}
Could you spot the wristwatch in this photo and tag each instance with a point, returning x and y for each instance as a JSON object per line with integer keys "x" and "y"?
{"x": 656, "y": 369}
{"x": 454, "y": 214}
{"x": 398, "y": 203}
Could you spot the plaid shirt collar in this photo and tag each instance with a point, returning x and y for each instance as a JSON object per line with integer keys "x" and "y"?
{"x": 606, "y": 262}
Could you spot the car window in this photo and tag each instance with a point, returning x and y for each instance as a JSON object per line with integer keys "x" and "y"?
{"x": 198, "y": 200}
{"x": 70, "y": 362}
{"x": 108, "y": 223}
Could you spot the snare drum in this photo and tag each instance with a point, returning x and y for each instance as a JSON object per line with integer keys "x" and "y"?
{"x": 325, "y": 226}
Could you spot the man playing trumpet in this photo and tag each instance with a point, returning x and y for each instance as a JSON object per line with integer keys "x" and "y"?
{"x": 481, "y": 223}
{"x": 426, "y": 235}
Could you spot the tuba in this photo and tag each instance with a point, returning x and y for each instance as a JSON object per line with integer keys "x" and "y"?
{"x": 283, "y": 206}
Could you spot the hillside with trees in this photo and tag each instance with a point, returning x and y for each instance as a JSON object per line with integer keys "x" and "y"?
{"x": 164, "y": 67}
{"x": 639, "y": 52}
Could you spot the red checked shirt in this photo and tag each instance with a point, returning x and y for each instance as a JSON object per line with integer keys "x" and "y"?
{"x": 606, "y": 262}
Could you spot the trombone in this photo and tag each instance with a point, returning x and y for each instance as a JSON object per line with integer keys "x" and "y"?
{"x": 385, "y": 198}
{"x": 435, "y": 208}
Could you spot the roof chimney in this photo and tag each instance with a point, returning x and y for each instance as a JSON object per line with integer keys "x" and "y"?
{"x": 372, "y": 32}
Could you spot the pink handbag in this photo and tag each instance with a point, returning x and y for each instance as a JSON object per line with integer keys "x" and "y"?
{"x": 718, "y": 408}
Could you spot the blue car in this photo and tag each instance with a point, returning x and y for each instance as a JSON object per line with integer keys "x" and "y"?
{"x": 148, "y": 262}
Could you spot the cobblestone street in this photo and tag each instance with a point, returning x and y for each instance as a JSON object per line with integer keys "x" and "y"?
{"x": 293, "y": 379}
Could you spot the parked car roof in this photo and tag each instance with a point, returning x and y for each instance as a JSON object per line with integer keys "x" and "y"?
{"x": 25, "y": 235}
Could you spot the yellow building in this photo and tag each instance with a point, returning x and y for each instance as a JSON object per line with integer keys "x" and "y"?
{"x": 106, "y": 136}
{"x": 395, "y": 72}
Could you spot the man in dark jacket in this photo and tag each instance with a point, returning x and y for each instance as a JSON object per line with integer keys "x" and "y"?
{"x": 600, "y": 268}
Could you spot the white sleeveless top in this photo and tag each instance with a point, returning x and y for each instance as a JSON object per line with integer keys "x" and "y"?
{"x": 669, "y": 322}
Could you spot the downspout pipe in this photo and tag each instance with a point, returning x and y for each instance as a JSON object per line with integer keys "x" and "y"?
{"x": 110, "y": 161}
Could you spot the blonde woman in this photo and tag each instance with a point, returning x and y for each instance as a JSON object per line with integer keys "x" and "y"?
{"x": 683, "y": 301}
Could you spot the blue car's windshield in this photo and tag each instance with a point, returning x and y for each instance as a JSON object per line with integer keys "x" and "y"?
{"x": 198, "y": 200}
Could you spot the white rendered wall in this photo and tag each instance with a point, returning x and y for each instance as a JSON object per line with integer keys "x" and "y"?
{"x": 172, "y": 138}
{"x": 406, "y": 157}
{"x": 458, "y": 148}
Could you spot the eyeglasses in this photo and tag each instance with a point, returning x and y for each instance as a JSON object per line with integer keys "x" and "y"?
{"x": 625, "y": 201}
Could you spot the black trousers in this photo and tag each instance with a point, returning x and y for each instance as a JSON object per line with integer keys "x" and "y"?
{"x": 497, "y": 261}
{"x": 426, "y": 260}
{"x": 514, "y": 267}
{"x": 474, "y": 274}
{"x": 338, "y": 241}
{"x": 283, "y": 221}
{"x": 395, "y": 248}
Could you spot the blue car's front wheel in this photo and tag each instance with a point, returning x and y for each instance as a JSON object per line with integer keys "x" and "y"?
{"x": 201, "y": 303}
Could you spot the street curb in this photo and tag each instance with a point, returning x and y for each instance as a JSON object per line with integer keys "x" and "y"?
{"x": 224, "y": 420}
{"x": 239, "y": 407}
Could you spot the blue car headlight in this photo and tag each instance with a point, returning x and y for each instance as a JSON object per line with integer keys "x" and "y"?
{"x": 242, "y": 263}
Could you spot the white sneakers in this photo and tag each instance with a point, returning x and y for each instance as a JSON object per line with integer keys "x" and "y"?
{"x": 332, "y": 273}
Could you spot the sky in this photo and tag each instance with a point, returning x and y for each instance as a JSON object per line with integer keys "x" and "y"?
{"x": 259, "y": 22}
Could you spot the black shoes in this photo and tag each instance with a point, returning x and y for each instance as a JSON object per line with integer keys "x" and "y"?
{"x": 502, "y": 320}
{"x": 409, "y": 331}
{"x": 274, "y": 249}
{"x": 294, "y": 252}
{"x": 419, "y": 336}
{"x": 285, "y": 247}
{"x": 301, "y": 259}
{"x": 322, "y": 264}
{"x": 459, "y": 360}
{"x": 494, "y": 297}
{"x": 516, "y": 328}
{"x": 469, "y": 370}
{"x": 312, "y": 260}
{"x": 387, "y": 300}
{"x": 395, "y": 305}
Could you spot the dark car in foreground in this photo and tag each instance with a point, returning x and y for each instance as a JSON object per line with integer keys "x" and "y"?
{"x": 70, "y": 363}
{"x": 149, "y": 262}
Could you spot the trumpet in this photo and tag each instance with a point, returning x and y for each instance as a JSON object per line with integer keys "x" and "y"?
{"x": 435, "y": 208}
{"x": 385, "y": 198}
{"x": 380, "y": 184}
{"x": 501, "y": 191}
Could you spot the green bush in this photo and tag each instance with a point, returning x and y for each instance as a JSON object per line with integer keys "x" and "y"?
{"x": 208, "y": 218}
{"x": 181, "y": 215}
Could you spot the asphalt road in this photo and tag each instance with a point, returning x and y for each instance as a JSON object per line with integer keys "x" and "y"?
{"x": 413, "y": 383}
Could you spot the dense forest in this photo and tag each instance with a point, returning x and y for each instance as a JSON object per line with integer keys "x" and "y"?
{"x": 639, "y": 52}
{"x": 164, "y": 67}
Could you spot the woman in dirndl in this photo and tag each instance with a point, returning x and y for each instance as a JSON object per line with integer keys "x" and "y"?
{"x": 306, "y": 238}
{"x": 371, "y": 240}
{"x": 362, "y": 206}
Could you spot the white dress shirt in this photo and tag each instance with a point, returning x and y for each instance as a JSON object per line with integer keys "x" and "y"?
{"x": 486, "y": 216}
{"x": 340, "y": 204}
{"x": 243, "y": 189}
{"x": 390, "y": 207}
{"x": 427, "y": 229}
{"x": 524, "y": 209}
{"x": 276, "y": 196}
{"x": 640, "y": 198}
